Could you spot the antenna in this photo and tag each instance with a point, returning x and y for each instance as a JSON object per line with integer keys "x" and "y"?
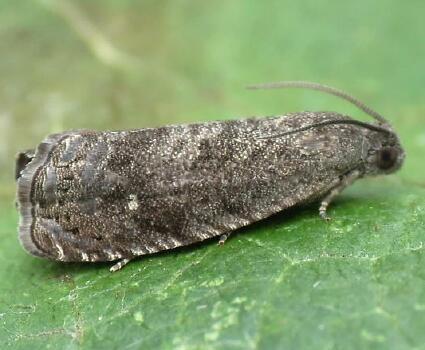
{"x": 324, "y": 88}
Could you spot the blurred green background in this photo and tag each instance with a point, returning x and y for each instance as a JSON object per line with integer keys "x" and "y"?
{"x": 288, "y": 282}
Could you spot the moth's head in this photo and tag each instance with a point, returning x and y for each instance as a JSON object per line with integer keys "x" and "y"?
{"x": 385, "y": 155}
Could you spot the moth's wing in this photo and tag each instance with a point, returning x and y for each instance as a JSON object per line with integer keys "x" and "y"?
{"x": 225, "y": 178}
{"x": 22, "y": 160}
{"x": 107, "y": 196}
{"x": 57, "y": 195}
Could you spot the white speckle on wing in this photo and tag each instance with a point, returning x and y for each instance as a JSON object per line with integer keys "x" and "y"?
{"x": 137, "y": 251}
{"x": 113, "y": 255}
{"x": 84, "y": 256}
{"x": 176, "y": 242}
{"x": 133, "y": 204}
{"x": 151, "y": 249}
{"x": 60, "y": 251}
{"x": 204, "y": 235}
{"x": 163, "y": 245}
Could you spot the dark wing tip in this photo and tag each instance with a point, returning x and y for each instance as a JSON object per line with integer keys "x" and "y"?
{"x": 27, "y": 165}
{"x": 22, "y": 160}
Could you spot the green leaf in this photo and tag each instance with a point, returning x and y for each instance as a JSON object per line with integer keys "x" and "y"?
{"x": 289, "y": 282}
{"x": 292, "y": 281}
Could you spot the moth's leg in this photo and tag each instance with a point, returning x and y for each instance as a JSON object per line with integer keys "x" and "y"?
{"x": 119, "y": 265}
{"x": 347, "y": 180}
{"x": 223, "y": 238}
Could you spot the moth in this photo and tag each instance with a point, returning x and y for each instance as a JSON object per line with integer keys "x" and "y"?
{"x": 116, "y": 195}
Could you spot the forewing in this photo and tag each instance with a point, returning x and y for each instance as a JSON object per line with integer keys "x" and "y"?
{"x": 105, "y": 196}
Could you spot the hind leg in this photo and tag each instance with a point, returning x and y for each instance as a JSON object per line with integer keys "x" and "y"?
{"x": 119, "y": 265}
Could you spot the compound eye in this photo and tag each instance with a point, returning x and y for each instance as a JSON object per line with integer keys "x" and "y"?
{"x": 387, "y": 158}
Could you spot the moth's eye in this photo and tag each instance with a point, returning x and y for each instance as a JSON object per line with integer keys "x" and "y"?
{"x": 387, "y": 157}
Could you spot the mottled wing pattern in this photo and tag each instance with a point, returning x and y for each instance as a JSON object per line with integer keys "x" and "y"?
{"x": 89, "y": 196}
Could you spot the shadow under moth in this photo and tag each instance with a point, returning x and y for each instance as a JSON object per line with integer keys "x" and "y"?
{"x": 116, "y": 195}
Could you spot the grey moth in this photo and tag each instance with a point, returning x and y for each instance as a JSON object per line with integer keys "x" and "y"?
{"x": 116, "y": 195}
